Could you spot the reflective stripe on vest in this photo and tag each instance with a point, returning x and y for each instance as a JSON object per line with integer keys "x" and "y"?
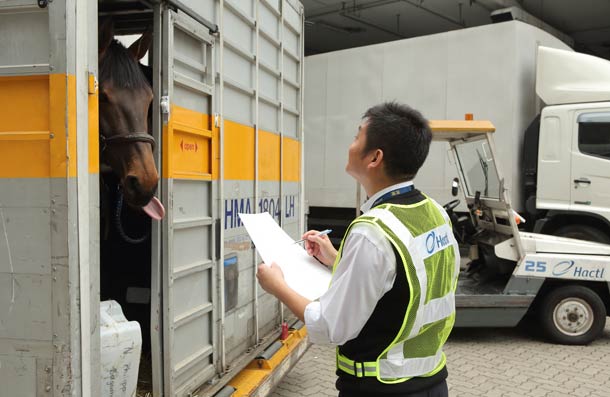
{"x": 399, "y": 361}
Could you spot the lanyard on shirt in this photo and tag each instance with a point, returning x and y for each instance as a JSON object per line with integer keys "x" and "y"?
{"x": 393, "y": 193}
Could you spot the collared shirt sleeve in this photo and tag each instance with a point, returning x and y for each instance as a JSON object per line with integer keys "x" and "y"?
{"x": 366, "y": 271}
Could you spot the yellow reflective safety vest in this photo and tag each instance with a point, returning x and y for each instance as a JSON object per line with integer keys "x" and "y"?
{"x": 428, "y": 267}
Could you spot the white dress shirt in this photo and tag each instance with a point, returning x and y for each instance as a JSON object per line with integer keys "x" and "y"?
{"x": 365, "y": 272}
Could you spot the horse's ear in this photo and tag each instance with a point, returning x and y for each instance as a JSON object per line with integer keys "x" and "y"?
{"x": 139, "y": 47}
{"x": 105, "y": 35}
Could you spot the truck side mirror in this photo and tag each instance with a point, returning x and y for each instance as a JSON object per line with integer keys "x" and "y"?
{"x": 454, "y": 187}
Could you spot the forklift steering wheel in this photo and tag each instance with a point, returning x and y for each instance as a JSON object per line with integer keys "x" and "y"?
{"x": 451, "y": 205}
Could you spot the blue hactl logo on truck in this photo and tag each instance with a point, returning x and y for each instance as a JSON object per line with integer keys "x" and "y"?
{"x": 562, "y": 268}
{"x": 273, "y": 205}
{"x": 571, "y": 268}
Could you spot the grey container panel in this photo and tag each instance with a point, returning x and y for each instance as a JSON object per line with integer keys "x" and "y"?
{"x": 191, "y": 200}
{"x": 291, "y": 95}
{"x": 188, "y": 97}
{"x": 59, "y": 236}
{"x": 239, "y": 105}
{"x": 25, "y": 240}
{"x": 292, "y": 11}
{"x": 291, "y": 41}
{"x": 238, "y": 30}
{"x": 291, "y": 124}
{"x": 239, "y": 327}
{"x": 27, "y": 309}
{"x": 29, "y": 50}
{"x": 269, "y": 52}
{"x": 238, "y": 68}
{"x": 268, "y": 19}
{"x": 20, "y": 374}
{"x": 198, "y": 334}
{"x": 268, "y": 311}
{"x": 268, "y": 116}
{"x": 30, "y": 192}
{"x": 205, "y": 9}
{"x": 291, "y": 65}
{"x": 268, "y": 86}
{"x": 191, "y": 67}
{"x": 246, "y": 8}
{"x": 246, "y": 284}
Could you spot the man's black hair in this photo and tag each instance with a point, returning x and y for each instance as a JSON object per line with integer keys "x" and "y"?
{"x": 402, "y": 133}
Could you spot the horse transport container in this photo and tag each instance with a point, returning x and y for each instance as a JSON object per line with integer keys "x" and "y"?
{"x": 227, "y": 118}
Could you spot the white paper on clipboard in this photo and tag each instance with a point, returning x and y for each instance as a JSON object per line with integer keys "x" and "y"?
{"x": 303, "y": 273}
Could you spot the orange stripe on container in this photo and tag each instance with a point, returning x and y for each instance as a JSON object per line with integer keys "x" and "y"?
{"x": 238, "y": 151}
{"x": 292, "y": 160}
{"x": 62, "y": 123}
{"x": 268, "y": 156}
{"x": 34, "y": 114}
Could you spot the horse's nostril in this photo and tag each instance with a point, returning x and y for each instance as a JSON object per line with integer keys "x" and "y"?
{"x": 132, "y": 184}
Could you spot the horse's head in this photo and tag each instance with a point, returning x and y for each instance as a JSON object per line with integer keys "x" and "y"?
{"x": 124, "y": 100}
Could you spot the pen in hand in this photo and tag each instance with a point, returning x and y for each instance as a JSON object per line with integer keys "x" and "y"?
{"x": 323, "y": 232}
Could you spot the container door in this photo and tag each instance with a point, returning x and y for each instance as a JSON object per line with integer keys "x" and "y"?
{"x": 189, "y": 173}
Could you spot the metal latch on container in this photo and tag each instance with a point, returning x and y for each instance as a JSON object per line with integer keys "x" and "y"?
{"x": 165, "y": 104}
{"x": 216, "y": 120}
{"x": 92, "y": 85}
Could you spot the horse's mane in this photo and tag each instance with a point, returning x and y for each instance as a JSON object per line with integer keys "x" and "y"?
{"x": 117, "y": 65}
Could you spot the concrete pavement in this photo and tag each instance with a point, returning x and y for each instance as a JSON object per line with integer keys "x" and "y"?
{"x": 486, "y": 362}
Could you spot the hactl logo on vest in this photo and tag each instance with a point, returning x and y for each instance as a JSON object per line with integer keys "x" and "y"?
{"x": 570, "y": 268}
{"x": 436, "y": 242}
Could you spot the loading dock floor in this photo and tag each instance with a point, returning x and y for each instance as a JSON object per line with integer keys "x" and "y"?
{"x": 485, "y": 362}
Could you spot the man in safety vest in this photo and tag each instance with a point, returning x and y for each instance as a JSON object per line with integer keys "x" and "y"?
{"x": 391, "y": 303}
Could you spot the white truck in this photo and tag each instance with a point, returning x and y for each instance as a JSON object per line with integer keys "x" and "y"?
{"x": 563, "y": 282}
{"x": 557, "y": 171}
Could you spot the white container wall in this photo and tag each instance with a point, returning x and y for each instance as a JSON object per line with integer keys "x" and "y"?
{"x": 488, "y": 71}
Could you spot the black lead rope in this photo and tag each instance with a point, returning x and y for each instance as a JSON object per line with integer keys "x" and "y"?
{"x": 119, "y": 225}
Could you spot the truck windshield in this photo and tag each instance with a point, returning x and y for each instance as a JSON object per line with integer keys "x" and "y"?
{"x": 478, "y": 169}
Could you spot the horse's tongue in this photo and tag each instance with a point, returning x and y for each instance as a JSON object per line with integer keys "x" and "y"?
{"x": 154, "y": 209}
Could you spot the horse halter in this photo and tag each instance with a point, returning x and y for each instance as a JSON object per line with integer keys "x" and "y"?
{"x": 129, "y": 138}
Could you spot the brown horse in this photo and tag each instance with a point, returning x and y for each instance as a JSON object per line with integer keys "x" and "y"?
{"x": 125, "y": 96}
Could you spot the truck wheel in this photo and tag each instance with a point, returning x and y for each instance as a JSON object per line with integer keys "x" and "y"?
{"x": 572, "y": 315}
{"x": 583, "y": 232}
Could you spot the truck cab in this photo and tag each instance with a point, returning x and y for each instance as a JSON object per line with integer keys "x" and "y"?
{"x": 567, "y": 148}
{"x": 509, "y": 273}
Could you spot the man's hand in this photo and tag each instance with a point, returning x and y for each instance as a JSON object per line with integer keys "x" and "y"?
{"x": 320, "y": 247}
{"x": 271, "y": 278}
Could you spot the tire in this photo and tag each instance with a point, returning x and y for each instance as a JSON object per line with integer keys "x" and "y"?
{"x": 572, "y": 315}
{"x": 583, "y": 232}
